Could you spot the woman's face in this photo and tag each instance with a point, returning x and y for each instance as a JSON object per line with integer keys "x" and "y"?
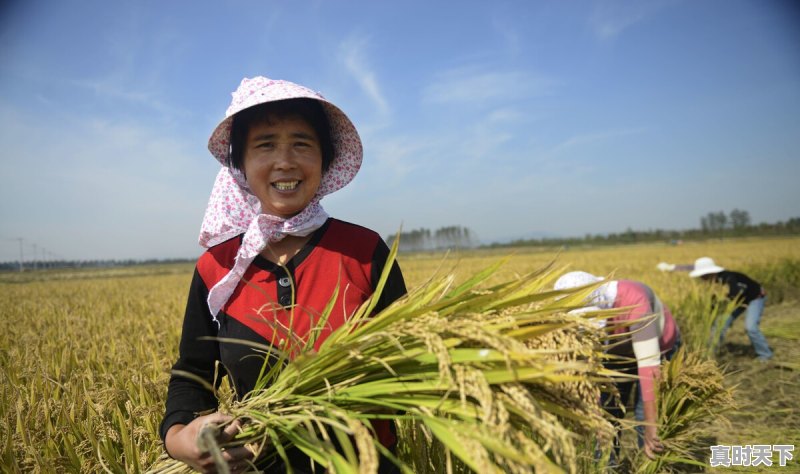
{"x": 283, "y": 165}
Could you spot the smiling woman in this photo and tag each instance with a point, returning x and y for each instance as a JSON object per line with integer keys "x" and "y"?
{"x": 271, "y": 245}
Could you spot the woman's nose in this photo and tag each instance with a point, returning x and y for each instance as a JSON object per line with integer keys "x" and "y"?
{"x": 284, "y": 157}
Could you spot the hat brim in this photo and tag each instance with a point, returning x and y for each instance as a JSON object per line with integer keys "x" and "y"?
{"x": 576, "y": 279}
{"x": 705, "y": 271}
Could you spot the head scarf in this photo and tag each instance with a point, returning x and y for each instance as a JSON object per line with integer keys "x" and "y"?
{"x": 603, "y": 296}
{"x": 233, "y": 209}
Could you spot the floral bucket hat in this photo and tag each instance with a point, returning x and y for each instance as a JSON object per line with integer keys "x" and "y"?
{"x": 233, "y": 209}
{"x": 259, "y": 90}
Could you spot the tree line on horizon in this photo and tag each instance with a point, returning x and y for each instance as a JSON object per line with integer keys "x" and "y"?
{"x": 714, "y": 225}
{"x": 36, "y": 265}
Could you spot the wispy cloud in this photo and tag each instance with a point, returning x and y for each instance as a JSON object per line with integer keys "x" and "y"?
{"x": 103, "y": 179}
{"x": 607, "y": 26}
{"x": 135, "y": 58}
{"x": 43, "y": 100}
{"x": 352, "y": 53}
{"x": 111, "y": 89}
{"x": 611, "y": 18}
{"x": 398, "y": 156}
{"x": 577, "y": 141}
{"x": 477, "y": 85}
{"x": 507, "y": 31}
{"x": 504, "y": 115}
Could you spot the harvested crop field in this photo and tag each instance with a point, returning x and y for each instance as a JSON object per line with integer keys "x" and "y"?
{"x": 86, "y": 354}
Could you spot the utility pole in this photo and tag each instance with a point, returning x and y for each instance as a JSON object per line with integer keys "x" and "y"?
{"x": 21, "y": 267}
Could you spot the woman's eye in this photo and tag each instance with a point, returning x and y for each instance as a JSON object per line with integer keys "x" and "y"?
{"x": 267, "y": 145}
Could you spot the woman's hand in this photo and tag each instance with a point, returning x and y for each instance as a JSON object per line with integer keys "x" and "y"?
{"x": 652, "y": 443}
{"x": 181, "y": 444}
{"x": 666, "y": 267}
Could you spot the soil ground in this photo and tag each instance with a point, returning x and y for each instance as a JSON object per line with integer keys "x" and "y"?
{"x": 768, "y": 394}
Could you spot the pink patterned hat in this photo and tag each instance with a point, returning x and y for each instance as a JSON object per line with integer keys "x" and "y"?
{"x": 347, "y": 148}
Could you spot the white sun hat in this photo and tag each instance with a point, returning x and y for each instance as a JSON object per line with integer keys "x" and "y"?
{"x": 575, "y": 279}
{"x": 602, "y": 297}
{"x": 705, "y": 266}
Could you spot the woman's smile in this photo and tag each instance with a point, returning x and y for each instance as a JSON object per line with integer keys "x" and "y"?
{"x": 285, "y": 185}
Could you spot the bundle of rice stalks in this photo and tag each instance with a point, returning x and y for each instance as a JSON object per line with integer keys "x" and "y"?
{"x": 700, "y": 315}
{"x": 500, "y": 378}
{"x": 692, "y": 395}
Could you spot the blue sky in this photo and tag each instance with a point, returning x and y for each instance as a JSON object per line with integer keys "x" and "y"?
{"x": 510, "y": 118}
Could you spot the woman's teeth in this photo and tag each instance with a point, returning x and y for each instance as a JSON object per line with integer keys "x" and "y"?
{"x": 286, "y": 185}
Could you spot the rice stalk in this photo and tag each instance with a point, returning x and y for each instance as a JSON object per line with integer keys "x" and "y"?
{"x": 692, "y": 395}
{"x": 700, "y": 315}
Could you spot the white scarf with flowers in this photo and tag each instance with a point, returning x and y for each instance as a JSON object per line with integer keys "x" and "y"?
{"x": 232, "y": 210}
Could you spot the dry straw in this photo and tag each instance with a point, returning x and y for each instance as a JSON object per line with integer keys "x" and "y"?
{"x": 693, "y": 394}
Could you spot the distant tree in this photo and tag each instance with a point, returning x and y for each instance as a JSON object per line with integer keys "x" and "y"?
{"x": 442, "y": 238}
{"x": 739, "y": 219}
{"x": 714, "y": 221}
{"x": 721, "y": 221}
{"x": 454, "y": 236}
{"x": 629, "y": 235}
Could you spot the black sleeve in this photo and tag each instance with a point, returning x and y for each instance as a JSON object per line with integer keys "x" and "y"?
{"x": 735, "y": 292}
{"x": 395, "y": 287}
{"x": 186, "y": 397}
{"x": 741, "y": 287}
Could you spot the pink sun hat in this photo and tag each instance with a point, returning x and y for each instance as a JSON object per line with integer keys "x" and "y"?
{"x": 347, "y": 148}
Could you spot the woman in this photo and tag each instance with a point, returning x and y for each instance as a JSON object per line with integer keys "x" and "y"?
{"x": 274, "y": 258}
{"x": 653, "y": 333}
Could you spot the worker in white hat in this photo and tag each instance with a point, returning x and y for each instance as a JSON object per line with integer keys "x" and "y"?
{"x": 747, "y": 292}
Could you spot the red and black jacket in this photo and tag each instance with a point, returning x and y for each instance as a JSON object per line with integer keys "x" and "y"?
{"x": 268, "y": 302}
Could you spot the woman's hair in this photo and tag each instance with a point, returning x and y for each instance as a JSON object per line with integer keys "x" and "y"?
{"x": 309, "y": 110}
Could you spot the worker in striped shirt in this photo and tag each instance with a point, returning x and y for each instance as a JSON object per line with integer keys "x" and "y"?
{"x": 653, "y": 335}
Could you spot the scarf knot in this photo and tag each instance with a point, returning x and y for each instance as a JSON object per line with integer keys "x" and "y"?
{"x": 223, "y": 222}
